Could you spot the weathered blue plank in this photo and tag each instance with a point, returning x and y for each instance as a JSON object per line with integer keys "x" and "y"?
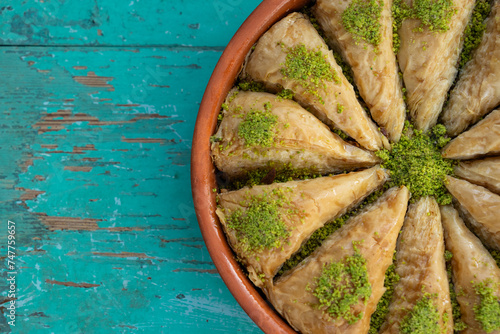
{"x": 133, "y": 22}
{"x": 94, "y": 170}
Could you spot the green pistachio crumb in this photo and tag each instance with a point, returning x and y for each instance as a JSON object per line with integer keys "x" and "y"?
{"x": 378, "y": 317}
{"x": 286, "y": 94}
{"x": 423, "y": 318}
{"x": 260, "y": 226}
{"x": 251, "y": 86}
{"x": 434, "y": 14}
{"x": 496, "y": 255}
{"x": 343, "y": 285}
{"x": 487, "y": 312}
{"x": 259, "y": 127}
{"x": 474, "y": 30}
{"x": 309, "y": 67}
{"x": 362, "y": 19}
{"x": 416, "y": 162}
{"x": 340, "y": 108}
{"x": 458, "y": 324}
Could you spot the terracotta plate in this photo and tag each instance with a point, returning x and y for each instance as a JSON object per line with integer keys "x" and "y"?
{"x": 203, "y": 171}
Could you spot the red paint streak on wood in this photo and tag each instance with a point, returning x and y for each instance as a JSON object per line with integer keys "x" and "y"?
{"x": 39, "y": 178}
{"x": 80, "y": 67}
{"x": 93, "y": 80}
{"x": 85, "y": 169}
{"x": 29, "y": 194}
{"x": 29, "y": 162}
{"x": 57, "y": 120}
{"x": 143, "y": 140}
{"x": 91, "y": 159}
{"x": 6, "y": 300}
{"x": 42, "y": 71}
{"x": 38, "y": 314}
{"x": 125, "y": 255}
{"x": 54, "y": 223}
{"x": 51, "y": 146}
{"x": 128, "y": 105}
{"x": 99, "y": 32}
{"x": 81, "y": 149}
{"x": 31, "y": 63}
{"x": 72, "y": 284}
{"x": 117, "y": 268}
{"x": 94, "y": 199}
{"x": 178, "y": 218}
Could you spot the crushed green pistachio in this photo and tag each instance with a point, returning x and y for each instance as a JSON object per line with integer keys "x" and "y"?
{"x": 474, "y": 30}
{"x": 496, "y": 255}
{"x": 458, "y": 324}
{"x": 310, "y": 68}
{"x": 487, "y": 312}
{"x": 342, "y": 285}
{"x": 273, "y": 173}
{"x": 423, "y": 318}
{"x": 286, "y": 94}
{"x": 324, "y": 232}
{"x": 340, "y": 108}
{"x": 252, "y": 86}
{"x": 416, "y": 162}
{"x": 378, "y": 317}
{"x": 362, "y": 19}
{"x": 435, "y": 15}
{"x": 260, "y": 226}
{"x": 258, "y": 127}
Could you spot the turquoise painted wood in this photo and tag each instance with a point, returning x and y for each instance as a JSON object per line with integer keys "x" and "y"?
{"x": 97, "y": 107}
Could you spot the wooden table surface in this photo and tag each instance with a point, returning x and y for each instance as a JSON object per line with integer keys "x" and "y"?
{"x": 98, "y": 101}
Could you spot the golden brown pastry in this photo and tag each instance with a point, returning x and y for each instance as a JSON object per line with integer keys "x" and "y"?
{"x": 473, "y": 271}
{"x": 484, "y": 172}
{"x": 428, "y": 60}
{"x": 293, "y": 56}
{"x": 373, "y": 62}
{"x": 481, "y": 208}
{"x": 357, "y": 255}
{"x": 478, "y": 89}
{"x": 258, "y": 129}
{"x": 420, "y": 264}
{"x": 482, "y": 139}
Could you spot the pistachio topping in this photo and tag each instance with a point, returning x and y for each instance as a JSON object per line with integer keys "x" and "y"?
{"x": 416, "y": 162}
{"x": 342, "y": 285}
{"x": 258, "y": 127}
{"x": 309, "y": 67}
{"x": 261, "y": 225}
{"x": 423, "y": 318}
{"x": 474, "y": 30}
{"x": 434, "y": 15}
{"x": 487, "y": 312}
{"x": 458, "y": 324}
{"x": 378, "y": 317}
{"x": 362, "y": 19}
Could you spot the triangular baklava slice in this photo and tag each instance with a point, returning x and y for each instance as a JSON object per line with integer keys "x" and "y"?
{"x": 421, "y": 297}
{"x": 260, "y": 129}
{"x": 482, "y": 139}
{"x": 478, "y": 89}
{"x": 337, "y": 288}
{"x": 480, "y": 207}
{"x": 484, "y": 172}
{"x": 362, "y": 31}
{"x": 431, "y": 41}
{"x": 476, "y": 276}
